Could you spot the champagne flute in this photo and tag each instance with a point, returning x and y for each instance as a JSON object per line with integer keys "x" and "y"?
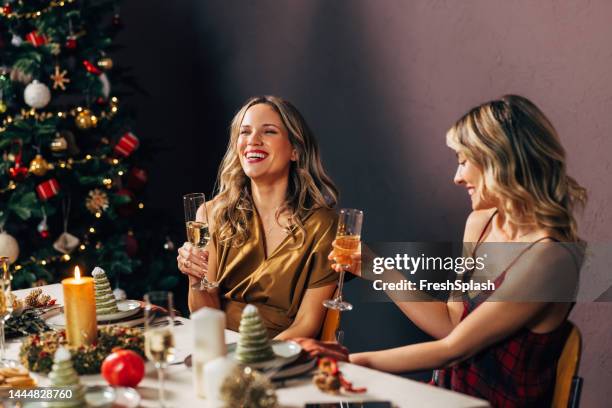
{"x": 159, "y": 334}
{"x": 197, "y": 231}
{"x": 6, "y": 301}
{"x": 348, "y": 237}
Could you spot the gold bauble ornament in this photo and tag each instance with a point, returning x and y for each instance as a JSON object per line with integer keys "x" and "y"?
{"x": 3, "y": 107}
{"x": 59, "y": 144}
{"x": 105, "y": 63}
{"x": 85, "y": 119}
{"x": 39, "y": 166}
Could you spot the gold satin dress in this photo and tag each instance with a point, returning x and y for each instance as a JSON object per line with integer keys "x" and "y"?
{"x": 276, "y": 284}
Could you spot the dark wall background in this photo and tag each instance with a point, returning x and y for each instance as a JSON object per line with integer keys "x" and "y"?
{"x": 380, "y": 82}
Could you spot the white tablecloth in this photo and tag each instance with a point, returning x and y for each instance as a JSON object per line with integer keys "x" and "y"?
{"x": 295, "y": 393}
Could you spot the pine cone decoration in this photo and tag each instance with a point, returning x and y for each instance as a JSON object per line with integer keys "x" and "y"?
{"x": 32, "y": 297}
{"x": 36, "y": 298}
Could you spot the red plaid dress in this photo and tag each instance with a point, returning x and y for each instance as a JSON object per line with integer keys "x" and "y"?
{"x": 518, "y": 371}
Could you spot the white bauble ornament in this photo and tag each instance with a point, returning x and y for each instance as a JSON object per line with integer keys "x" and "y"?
{"x": 105, "y": 85}
{"x": 16, "y": 40}
{"x": 9, "y": 247}
{"x": 37, "y": 95}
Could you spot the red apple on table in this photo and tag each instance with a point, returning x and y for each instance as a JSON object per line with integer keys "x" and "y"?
{"x": 123, "y": 368}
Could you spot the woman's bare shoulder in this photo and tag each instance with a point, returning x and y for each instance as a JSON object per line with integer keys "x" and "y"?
{"x": 475, "y": 223}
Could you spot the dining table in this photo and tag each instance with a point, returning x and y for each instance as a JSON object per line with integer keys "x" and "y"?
{"x": 292, "y": 393}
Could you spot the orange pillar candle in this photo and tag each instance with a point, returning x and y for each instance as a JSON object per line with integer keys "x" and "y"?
{"x": 80, "y": 309}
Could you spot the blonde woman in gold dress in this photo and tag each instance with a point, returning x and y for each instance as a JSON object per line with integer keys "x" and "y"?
{"x": 272, "y": 224}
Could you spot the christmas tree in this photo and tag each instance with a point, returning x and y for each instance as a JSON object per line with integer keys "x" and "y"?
{"x": 71, "y": 174}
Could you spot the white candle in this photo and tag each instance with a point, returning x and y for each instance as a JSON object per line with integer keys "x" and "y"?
{"x": 215, "y": 373}
{"x": 209, "y": 343}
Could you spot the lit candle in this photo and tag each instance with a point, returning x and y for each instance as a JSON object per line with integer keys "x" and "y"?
{"x": 209, "y": 342}
{"x": 80, "y": 309}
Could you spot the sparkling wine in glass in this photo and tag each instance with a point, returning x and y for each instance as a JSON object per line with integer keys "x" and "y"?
{"x": 348, "y": 237}
{"x": 197, "y": 228}
{"x": 6, "y": 301}
{"x": 159, "y": 334}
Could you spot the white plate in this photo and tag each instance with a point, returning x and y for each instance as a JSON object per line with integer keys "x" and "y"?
{"x": 286, "y": 352}
{"x": 126, "y": 308}
{"x": 103, "y": 396}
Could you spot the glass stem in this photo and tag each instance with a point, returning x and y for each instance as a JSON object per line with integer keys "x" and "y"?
{"x": 2, "y": 352}
{"x": 162, "y": 386}
{"x": 340, "y": 285}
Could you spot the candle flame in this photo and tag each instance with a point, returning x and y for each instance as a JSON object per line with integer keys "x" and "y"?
{"x": 77, "y": 273}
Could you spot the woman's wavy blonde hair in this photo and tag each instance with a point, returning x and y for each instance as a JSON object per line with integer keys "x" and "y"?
{"x": 309, "y": 187}
{"x": 518, "y": 150}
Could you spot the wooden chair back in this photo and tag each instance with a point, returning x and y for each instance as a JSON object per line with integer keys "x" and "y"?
{"x": 567, "y": 385}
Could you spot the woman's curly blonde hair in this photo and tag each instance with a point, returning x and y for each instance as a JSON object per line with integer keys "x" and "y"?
{"x": 309, "y": 187}
{"x": 523, "y": 163}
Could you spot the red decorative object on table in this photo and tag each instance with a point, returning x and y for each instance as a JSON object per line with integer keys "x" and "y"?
{"x": 123, "y": 368}
{"x": 127, "y": 144}
{"x": 36, "y": 39}
{"x": 329, "y": 378}
{"x": 48, "y": 189}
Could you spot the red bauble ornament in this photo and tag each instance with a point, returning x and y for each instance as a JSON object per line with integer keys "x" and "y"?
{"x": 126, "y": 144}
{"x": 131, "y": 245}
{"x": 18, "y": 172}
{"x": 43, "y": 229}
{"x": 124, "y": 368}
{"x": 7, "y": 9}
{"x": 128, "y": 209}
{"x": 71, "y": 43}
{"x": 47, "y": 189}
{"x": 137, "y": 179}
{"x": 36, "y": 39}
{"x": 91, "y": 68}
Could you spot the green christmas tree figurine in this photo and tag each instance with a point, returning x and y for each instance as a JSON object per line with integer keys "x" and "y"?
{"x": 253, "y": 345}
{"x": 105, "y": 300}
{"x": 63, "y": 374}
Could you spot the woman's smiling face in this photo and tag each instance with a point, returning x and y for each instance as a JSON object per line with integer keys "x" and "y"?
{"x": 471, "y": 177}
{"x": 263, "y": 144}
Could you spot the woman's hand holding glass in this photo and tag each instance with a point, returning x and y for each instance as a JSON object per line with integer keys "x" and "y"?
{"x": 355, "y": 265}
{"x": 193, "y": 262}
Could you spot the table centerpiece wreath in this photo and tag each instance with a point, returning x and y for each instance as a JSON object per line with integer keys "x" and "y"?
{"x": 37, "y": 350}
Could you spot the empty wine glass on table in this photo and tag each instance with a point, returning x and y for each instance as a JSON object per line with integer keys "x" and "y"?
{"x": 348, "y": 237}
{"x": 6, "y": 301}
{"x": 159, "y": 334}
{"x": 197, "y": 229}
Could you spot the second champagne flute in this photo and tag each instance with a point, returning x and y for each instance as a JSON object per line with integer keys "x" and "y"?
{"x": 197, "y": 230}
{"x": 159, "y": 334}
{"x": 6, "y": 301}
{"x": 348, "y": 237}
